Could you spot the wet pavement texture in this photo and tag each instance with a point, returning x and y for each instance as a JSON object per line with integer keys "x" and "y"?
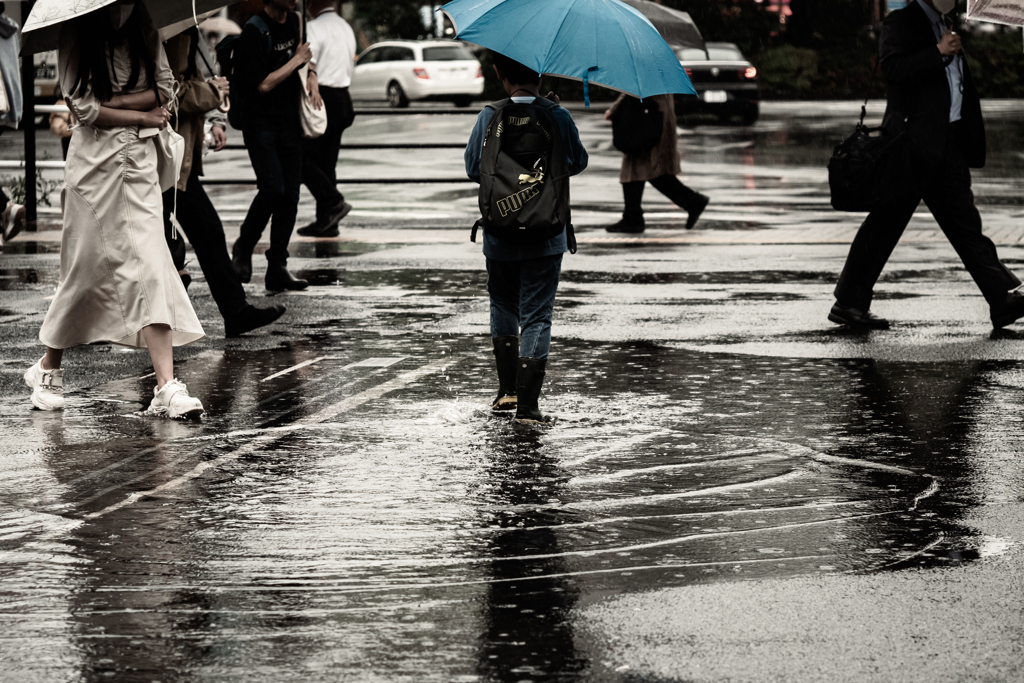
{"x": 350, "y": 510}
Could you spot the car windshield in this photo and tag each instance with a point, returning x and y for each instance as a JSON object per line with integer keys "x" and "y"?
{"x": 715, "y": 54}
{"x": 448, "y": 53}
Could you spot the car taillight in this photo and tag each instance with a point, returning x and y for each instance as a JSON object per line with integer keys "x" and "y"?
{"x": 751, "y": 72}
{"x": 689, "y": 71}
{"x": 421, "y": 73}
{"x": 479, "y": 72}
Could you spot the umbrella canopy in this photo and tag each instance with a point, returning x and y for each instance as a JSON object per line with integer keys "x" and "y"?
{"x": 41, "y": 32}
{"x": 224, "y": 27}
{"x": 998, "y": 11}
{"x": 604, "y": 42}
{"x": 677, "y": 28}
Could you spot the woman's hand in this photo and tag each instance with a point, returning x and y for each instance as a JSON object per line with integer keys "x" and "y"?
{"x": 608, "y": 115}
{"x": 223, "y": 85}
{"x": 220, "y": 138}
{"x": 156, "y": 118}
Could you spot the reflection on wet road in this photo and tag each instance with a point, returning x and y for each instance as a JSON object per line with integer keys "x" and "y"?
{"x": 370, "y": 506}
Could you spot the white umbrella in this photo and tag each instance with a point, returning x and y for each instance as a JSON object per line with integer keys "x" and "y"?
{"x": 41, "y": 32}
{"x": 997, "y": 11}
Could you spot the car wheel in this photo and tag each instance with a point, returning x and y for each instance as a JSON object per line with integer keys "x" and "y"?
{"x": 750, "y": 114}
{"x": 462, "y": 101}
{"x": 396, "y": 96}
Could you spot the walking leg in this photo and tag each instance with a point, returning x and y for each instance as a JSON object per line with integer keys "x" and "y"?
{"x": 870, "y": 250}
{"x": 536, "y": 305}
{"x": 682, "y": 196}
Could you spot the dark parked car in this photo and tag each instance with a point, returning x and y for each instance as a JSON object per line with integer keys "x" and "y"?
{"x": 725, "y": 81}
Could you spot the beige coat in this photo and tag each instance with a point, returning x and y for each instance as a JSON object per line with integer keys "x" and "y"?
{"x": 195, "y": 97}
{"x": 663, "y": 159}
{"x": 116, "y": 272}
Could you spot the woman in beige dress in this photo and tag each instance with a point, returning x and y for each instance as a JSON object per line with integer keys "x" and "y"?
{"x": 117, "y": 280}
{"x": 659, "y": 167}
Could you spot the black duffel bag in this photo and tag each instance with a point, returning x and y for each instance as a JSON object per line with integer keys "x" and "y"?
{"x": 637, "y": 126}
{"x": 869, "y": 168}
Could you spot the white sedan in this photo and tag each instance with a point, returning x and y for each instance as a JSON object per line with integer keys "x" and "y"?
{"x": 405, "y": 70}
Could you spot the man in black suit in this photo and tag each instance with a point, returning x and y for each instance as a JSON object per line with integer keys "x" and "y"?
{"x": 932, "y": 98}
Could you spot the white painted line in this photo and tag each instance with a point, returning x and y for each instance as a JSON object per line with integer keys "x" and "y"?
{"x": 376, "y": 363}
{"x": 368, "y": 363}
{"x": 328, "y": 413}
{"x": 294, "y": 368}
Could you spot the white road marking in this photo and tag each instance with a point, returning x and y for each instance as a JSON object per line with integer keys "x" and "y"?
{"x": 368, "y": 363}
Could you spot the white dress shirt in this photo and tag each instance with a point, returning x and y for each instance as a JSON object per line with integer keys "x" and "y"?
{"x": 334, "y": 49}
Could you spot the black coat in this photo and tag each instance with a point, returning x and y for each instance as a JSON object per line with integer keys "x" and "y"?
{"x": 918, "y": 91}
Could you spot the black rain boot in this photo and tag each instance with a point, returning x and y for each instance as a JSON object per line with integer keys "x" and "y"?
{"x": 633, "y": 213}
{"x": 506, "y": 353}
{"x": 529, "y": 380}
{"x": 278, "y": 279}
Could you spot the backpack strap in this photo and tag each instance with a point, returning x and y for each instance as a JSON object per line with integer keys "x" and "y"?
{"x": 264, "y": 30}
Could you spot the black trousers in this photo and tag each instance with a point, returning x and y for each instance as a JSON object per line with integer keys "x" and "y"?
{"x": 320, "y": 155}
{"x": 948, "y": 196}
{"x": 276, "y": 156}
{"x": 668, "y": 185}
{"x": 201, "y": 224}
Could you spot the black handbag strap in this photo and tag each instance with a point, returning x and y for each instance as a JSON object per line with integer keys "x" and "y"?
{"x": 867, "y": 95}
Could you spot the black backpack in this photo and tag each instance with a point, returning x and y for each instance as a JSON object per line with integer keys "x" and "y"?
{"x": 524, "y": 175}
{"x": 227, "y": 51}
{"x": 637, "y": 126}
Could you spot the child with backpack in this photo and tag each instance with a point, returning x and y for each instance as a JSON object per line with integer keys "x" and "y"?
{"x": 522, "y": 152}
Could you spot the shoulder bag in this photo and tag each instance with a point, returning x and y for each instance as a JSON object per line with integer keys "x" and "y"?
{"x": 170, "y": 148}
{"x": 314, "y": 121}
{"x": 870, "y": 168}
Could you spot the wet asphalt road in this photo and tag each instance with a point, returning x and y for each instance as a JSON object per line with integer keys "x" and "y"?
{"x": 735, "y": 489}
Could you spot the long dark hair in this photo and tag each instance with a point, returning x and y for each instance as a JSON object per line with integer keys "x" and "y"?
{"x": 97, "y": 39}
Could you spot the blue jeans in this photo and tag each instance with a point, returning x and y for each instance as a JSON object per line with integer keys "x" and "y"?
{"x": 276, "y": 156}
{"x": 522, "y": 300}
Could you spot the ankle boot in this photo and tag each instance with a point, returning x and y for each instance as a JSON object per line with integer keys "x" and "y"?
{"x": 506, "y": 353}
{"x": 279, "y": 279}
{"x": 529, "y": 380}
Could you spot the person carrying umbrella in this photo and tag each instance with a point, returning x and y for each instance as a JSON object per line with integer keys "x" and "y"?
{"x": 522, "y": 278}
{"x": 117, "y": 280}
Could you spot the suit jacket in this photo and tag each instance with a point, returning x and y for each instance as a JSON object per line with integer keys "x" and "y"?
{"x": 918, "y": 91}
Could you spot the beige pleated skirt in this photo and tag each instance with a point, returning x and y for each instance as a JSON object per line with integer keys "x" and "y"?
{"x": 116, "y": 272}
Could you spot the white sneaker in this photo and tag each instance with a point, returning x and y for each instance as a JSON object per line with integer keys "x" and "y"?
{"x": 47, "y": 387}
{"x": 12, "y": 221}
{"x": 174, "y": 402}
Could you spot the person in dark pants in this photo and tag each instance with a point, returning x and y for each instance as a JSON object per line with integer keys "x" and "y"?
{"x": 195, "y": 212}
{"x": 333, "y": 45}
{"x": 933, "y": 99}
{"x": 270, "y": 61}
{"x": 659, "y": 167}
{"x": 522, "y": 279}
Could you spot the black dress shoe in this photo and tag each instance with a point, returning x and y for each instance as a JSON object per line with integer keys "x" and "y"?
{"x": 328, "y": 227}
{"x": 696, "y": 211}
{"x": 251, "y": 318}
{"x": 625, "y": 226}
{"x": 278, "y": 279}
{"x": 854, "y": 317}
{"x": 241, "y": 259}
{"x": 1008, "y": 312}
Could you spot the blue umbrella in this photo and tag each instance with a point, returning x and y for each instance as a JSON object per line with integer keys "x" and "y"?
{"x": 604, "y": 42}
